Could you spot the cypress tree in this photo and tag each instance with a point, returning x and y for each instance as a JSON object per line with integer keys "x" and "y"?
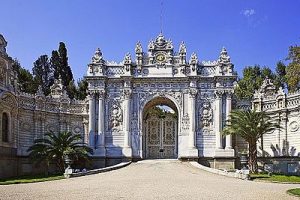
{"x": 42, "y": 73}
{"x": 55, "y": 64}
{"x": 66, "y": 72}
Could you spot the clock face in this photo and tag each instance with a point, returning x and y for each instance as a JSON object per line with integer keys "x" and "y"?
{"x": 160, "y": 57}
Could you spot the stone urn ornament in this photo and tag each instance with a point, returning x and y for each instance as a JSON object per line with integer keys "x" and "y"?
{"x": 68, "y": 170}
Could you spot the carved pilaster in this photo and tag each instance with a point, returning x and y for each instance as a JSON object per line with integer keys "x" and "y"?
{"x": 218, "y": 117}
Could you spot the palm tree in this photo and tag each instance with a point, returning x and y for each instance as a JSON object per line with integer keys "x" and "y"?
{"x": 251, "y": 126}
{"x": 55, "y": 147}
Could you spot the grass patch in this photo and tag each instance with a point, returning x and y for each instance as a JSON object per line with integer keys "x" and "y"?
{"x": 276, "y": 177}
{"x": 30, "y": 179}
{"x": 295, "y": 192}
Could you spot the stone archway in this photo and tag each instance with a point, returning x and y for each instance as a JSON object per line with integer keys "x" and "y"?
{"x": 160, "y": 129}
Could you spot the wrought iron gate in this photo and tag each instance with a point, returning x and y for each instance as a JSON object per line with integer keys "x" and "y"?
{"x": 161, "y": 137}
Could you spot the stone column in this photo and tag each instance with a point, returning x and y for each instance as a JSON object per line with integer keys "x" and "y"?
{"x": 100, "y": 143}
{"x": 192, "y": 97}
{"x": 92, "y": 110}
{"x": 228, "y": 110}
{"x": 127, "y": 151}
{"x": 218, "y": 119}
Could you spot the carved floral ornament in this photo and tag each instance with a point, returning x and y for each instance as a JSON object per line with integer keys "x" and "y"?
{"x": 206, "y": 114}
{"x": 8, "y": 99}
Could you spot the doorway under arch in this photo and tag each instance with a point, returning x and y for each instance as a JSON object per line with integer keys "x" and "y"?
{"x": 160, "y": 129}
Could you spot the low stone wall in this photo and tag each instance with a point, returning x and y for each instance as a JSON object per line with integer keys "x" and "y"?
{"x": 280, "y": 165}
{"x": 238, "y": 174}
{"x": 96, "y": 171}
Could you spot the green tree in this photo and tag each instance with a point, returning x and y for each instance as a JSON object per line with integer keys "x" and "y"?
{"x": 54, "y": 147}
{"x": 293, "y": 69}
{"x": 43, "y": 74}
{"x": 61, "y": 68}
{"x": 71, "y": 87}
{"x": 280, "y": 80}
{"x": 25, "y": 78}
{"x": 66, "y": 72}
{"x": 252, "y": 79}
{"x": 55, "y": 64}
{"x": 82, "y": 89}
{"x": 250, "y": 82}
{"x": 251, "y": 126}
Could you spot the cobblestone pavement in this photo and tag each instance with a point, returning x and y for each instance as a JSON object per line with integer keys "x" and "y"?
{"x": 149, "y": 179}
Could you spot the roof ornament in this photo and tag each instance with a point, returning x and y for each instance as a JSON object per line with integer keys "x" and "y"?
{"x": 138, "y": 48}
{"x": 194, "y": 64}
{"x": 97, "y": 58}
{"x": 182, "y": 48}
{"x": 127, "y": 59}
{"x": 224, "y": 58}
{"x": 194, "y": 59}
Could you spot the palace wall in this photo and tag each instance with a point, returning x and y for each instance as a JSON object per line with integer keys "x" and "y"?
{"x": 111, "y": 118}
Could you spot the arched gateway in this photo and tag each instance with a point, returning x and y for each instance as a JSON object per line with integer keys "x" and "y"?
{"x": 160, "y": 128}
{"x": 125, "y": 122}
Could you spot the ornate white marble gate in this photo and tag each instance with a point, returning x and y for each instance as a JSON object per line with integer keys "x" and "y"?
{"x": 120, "y": 94}
{"x": 160, "y": 136}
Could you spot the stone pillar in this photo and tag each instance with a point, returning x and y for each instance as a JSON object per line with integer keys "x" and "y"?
{"x": 92, "y": 110}
{"x": 218, "y": 119}
{"x": 192, "y": 150}
{"x": 192, "y": 98}
{"x": 127, "y": 151}
{"x": 228, "y": 110}
{"x": 100, "y": 143}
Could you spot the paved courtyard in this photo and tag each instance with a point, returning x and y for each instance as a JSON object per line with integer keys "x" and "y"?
{"x": 149, "y": 179}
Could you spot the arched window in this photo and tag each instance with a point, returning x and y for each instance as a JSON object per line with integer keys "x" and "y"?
{"x": 5, "y": 129}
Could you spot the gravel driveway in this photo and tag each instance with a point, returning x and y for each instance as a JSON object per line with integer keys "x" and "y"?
{"x": 149, "y": 179}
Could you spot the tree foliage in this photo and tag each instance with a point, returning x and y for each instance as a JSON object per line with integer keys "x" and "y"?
{"x": 82, "y": 89}
{"x": 54, "y": 147}
{"x": 253, "y": 77}
{"x": 293, "y": 69}
{"x": 25, "y": 78}
{"x": 43, "y": 74}
{"x": 251, "y": 126}
{"x": 61, "y": 68}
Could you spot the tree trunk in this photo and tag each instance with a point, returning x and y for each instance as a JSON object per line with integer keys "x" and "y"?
{"x": 253, "y": 167}
{"x": 47, "y": 168}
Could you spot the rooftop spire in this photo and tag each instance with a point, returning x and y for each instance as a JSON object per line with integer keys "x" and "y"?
{"x": 161, "y": 16}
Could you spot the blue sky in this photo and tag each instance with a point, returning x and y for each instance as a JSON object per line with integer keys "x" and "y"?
{"x": 254, "y": 32}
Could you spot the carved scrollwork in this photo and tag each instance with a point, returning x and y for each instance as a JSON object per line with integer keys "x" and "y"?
{"x": 193, "y": 92}
{"x": 185, "y": 123}
{"x": 101, "y": 94}
{"x": 219, "y": 93}
{"x": 116, "y": 116}
{"x": 126, "y": 93}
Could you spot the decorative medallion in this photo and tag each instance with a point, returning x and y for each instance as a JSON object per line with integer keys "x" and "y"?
{"x": 294, "y": 126}
{"x": 160, "y": 57}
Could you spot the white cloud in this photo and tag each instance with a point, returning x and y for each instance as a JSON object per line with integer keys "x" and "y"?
{"x": 248, "y": 12}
